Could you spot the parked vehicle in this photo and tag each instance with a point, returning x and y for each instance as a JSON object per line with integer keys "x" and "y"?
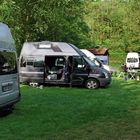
{"x": 59, "y": 63}
{"x": 9, "y": 77}
{"x": 133, "y": 60}
{"x": 95, "y": 60}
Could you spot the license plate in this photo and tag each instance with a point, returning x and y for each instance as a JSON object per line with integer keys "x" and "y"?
{"x": 7, "y": 88}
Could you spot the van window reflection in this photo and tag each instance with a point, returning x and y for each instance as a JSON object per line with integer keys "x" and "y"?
{"x": 8, "y": 64}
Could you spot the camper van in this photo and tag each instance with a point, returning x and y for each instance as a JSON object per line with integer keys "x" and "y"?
{"x": 95, "y": 60}
{"x": 59, "y": 63}
{"x": 9, "y": 78}
{"x": 133, "y": 60}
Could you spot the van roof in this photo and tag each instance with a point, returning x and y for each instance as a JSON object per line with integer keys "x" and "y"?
{"x": 133, "y": 54}
{"x": 6, "y": 38}
{"x": 49, "y": 48}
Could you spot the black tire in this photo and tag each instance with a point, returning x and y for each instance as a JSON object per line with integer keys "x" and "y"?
{"x": 10, "y": 107}
{"x": 92, "y": 84}
{"x": 6, "y": 110}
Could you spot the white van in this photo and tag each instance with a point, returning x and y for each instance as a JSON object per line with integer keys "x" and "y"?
{"x": 133, "y": 60}
{"x": 9, "y": 78}
{"x": 94, "y": 59}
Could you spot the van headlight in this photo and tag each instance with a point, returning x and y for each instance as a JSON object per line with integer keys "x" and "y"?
{"x": 106, "y": 75}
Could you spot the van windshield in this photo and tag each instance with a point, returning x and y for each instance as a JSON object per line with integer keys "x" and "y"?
{"x": 97, "y": 62}
{"x": 132, "y": 60}
{"x": 91, "y": 63}
{"x": 8, "y": 63}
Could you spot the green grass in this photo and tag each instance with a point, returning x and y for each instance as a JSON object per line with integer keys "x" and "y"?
{"x": 63, "y": 113}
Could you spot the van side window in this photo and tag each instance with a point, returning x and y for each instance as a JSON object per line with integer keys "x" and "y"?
{"x": 30, "y": 63}
{"x": 38, "y": 63}
{"x": 79, "y": 63}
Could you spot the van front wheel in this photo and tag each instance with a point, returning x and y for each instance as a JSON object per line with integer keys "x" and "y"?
{"x": 91, "y": 84}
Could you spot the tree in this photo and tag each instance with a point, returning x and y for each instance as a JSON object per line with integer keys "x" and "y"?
{"x": 133, "y": 21}
{"x": 114, "y": 23}
{"x": 37, "y": 20}
{"x": 85, "y": 23}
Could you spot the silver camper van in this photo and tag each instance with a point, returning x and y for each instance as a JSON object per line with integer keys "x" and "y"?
{"x": 9, "y": 78}
{"x": 59, "y": 63}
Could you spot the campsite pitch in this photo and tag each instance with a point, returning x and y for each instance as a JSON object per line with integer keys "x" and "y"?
{"x": 63, "y": 113}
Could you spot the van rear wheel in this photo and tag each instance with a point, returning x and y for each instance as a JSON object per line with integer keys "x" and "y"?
{"x": 10, "y": 107}
{"x": 91, "y": 84}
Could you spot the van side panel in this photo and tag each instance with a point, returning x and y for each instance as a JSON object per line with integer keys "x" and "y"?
{"x": 29, "y": 75}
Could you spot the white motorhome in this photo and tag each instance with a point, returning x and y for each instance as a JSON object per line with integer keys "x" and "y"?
{"x": 133, "y": 60}
{"x": 9, "y": 78}
{"x": 59, "y": 63}
{"x": 95, "y": 60}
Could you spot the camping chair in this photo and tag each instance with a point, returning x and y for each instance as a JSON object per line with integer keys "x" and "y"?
{"x": 123, "y": 71}
{"x": 131, "y": 73}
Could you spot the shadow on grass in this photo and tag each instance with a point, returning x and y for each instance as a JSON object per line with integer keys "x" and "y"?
{"x": 5, "y": 112}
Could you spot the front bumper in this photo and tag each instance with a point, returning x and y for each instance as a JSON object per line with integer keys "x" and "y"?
{"x": 105, "y": 81}
{"x": 11, "y": 102}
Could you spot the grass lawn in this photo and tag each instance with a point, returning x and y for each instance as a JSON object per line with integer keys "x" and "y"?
{"x": 63, "y": 113}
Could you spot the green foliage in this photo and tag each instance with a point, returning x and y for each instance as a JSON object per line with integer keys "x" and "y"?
{"x": 117, "y": 58}
{"x": 114, "y": 24}
{"x": 52, "y": 20}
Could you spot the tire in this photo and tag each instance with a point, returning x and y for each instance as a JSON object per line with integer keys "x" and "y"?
{"x": 92, "y": 84}
{"x": 10, "y": 107}
{"x": 6, "y": 110}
